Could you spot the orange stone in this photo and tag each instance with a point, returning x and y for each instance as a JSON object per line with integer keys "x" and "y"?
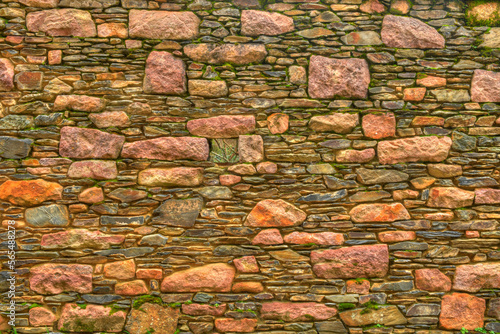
{"x": 396, "y": 236}
{"x": 149, "y": 273}
{"x": 414, "y": 94}
{"x": 432, "y": 280}
{"x": 461, "y": 310}
{"x": 379, "y": 126}
{"x": 376, "y": 213}
{"x": 275, "y": 213}
{"x": 251, "y": 287}
{"x": 91, "y": 195}
{"x": 431, "y": 81}
{"x": 235, "y": 325}
{"x": 359, "y": 287}
{"x": 246, "y": 264}
{"x": 427, "y": 120}
{"x": 277, "y": 123}
{"x": 132, "y": 288}
{"x": 30, "y": 193}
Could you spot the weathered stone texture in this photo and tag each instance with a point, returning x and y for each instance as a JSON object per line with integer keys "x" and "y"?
{"x": 62, "y": 22}
{"x": 406, "y": 32}
{"x": 158, "y": 24}
{"x": 164, "y": 74}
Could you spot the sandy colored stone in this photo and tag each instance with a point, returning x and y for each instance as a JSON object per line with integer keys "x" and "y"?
{"x": 246, "y": 264}
{"x": 171, "y": 177}
{"x": 83, "y": 143}
{"x": 337, "y": 122}
{"x": 131, "y": 288}
{"x": 118, "y": 30}
{"x": 274, "y": 213}
{"x": 160, "y": 24}
{"x": 291, "y": 312}
{"x": 40, "y": 316}
{"x": 430, "y": 81}
{"x": 108, "y": 119}
{"x": 120, "y": 269}
{"x": 251, "y": 148}
{"x": 222, "y": 126}
{"x": 62, "y": 22}
{"x": 407, "y": 32}
{"x": 237, "y": 54}
{"x": 79, "y": 103}
{"x": 444, "y": 170}
{"x": 433, "y": 149}
{"x": 208, "y": 88}
{"x": 91, "y": 195}
{"x": 355, "y": 156}
{"x": 384, "y": 315}
{"x": 168, "y": 148}
{"x": 491, "y": 39}
{"x": 378, "y": 126}
{"x": 396, "y": 236}
{"x": 373, "y": 213}
{"x": 152, "y": 316}
{"x": 487, "y": 196}
{"x": 256, "y": 22}
{"x": 91, "y": 318}
{"x": 94, "y": 169}
{"x": 40, "y": 3}
{"x": 277, "y": 123}
{"x": 244, "y": 325}
{"x": 165, "y": 74}
{"x": 216, "y": 277}
{"x": 450, "y": 197}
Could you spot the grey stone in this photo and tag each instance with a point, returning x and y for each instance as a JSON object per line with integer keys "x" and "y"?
{"x": 101, "y": 299}
{"x": 127, "y": 252}
{"x": 183, "y": 212}
{"x": 47, "y": 215}
{"x": 463, "y": 142}
{"x": 153, "y": 240}
{"x": 14, "y": 148}
{"x": 336, "y": 144}
{"x": 16, "y": 122}
{"x": 123, "y": 221}
{"x": 375, "y": 176}
{"x": 475, "y": 182}
{"x": 393, "y": 286}
{"x": 335, "y": 183}
{"x": 327, "y": 197}
{"x": 215, "y": 192}
{"x": 422, "y": 310}
{"x": 408, "y": 245}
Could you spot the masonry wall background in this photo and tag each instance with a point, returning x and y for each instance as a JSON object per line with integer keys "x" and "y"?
{"x": 299, "y": 166}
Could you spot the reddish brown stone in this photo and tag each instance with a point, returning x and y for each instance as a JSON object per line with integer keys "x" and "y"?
{"x": 472, "y": 278}
{"x": 330, "y": 77}
{"x": 165, "y": 74}
{"x": 83, "y": 143}
{"x": 131, "y": 288}
{"x": 95, "y": 317}
{"x": 296, "y": 311}
{"x": 62, "y": 22}
{"x": 229, "y": 180}
{"x": 112, "y": 30}
{"x": 432, "y": 280}
{"x": 203, "y": 309}
{"x": 216, "y": 277}
{"x": 460, "y": 310}
{"x": 127, "y": 195}
{"x": 277, "y": 123}
{"x": 256, "y": 22}
{"x": 94, "y": 169}
{"x": 274, "y": 213}
{"x": 91, "y": 195}
{"x": 246, "y": 264}
{"x": 270, "y": 236}
{"x": 159, "y": 24}
{"x": 152, "y": 318}
{"x": 407, "y": 32}
{"x": 450, "y": 197}
{"x": 78, "y": 103}
{"x": 357, "y": 287}
{"x": 235, "y": 325}
{"x": 351, "y": 262}
{"x": 120, "y": 269}
{"x": 379, "y": 126}
{"x": 6, "y": 75}
{"x": 414, "y": 94}
{"x": 118, "y": 119}
{"x": 54, "y": 57}
{"x": 171, "y": 177}
{"x": 30, "y": 192}
{"x": 80, "y": 238}
{"x": 372, "y": 6}
{"x": 351, "y": 156}
{"x": 29, "y": 80}
{"x": 431, "y": 81}
{"x": 396, "y": 236}
{"x": 414, "y": 149}
{"x": 54, "y": 278}
{"x": 487, "y": 196}
{"x": 237, "y": 54}
{"x": 322, "y": 238}
{"x": 375, "y": 213}
{"x": 40, "y": 316}
{"x": 168, "y": 148}
{"x": 250, "y": 148}
{"x": 485, "y": 86}
{"x": 338, "y": 122}
{"x": 222, "y": 126}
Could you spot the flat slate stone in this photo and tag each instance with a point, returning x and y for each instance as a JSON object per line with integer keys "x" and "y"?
{"x": 14, "y": 148}
{"x": 47, "y": 215}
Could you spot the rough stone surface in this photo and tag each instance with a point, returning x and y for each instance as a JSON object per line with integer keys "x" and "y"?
{"x": 222, "y": 126}
{"x": 78, "y": 103}
{"x": 6, "y": 75}
{"x": 255, "y": 23}
{"x": 413, "y": 149}
{"x": 80, "y": 238}
{"x": 30, "y": 192}
{"x": 485, "y": 86}
{"x": 460, "y": 310}
{"x": 240, "y": 54}
{"x": 51, "y": 279}
{"x": 371, "y": 213}
{"x": 270, "y": 236}
{"x": 406, "y": 32}
{"x": 378, "y": 126}
{"x": 158, "y": 24}
{"x": 330, "y": 77}
{"x": 487, "y": 196}
{"x": 40, "y": 316}
{"x": 432, "y": 280}
{"x": 217, "y": 277}
{"x": 171, "y": 177}
{"x": 385, "y": 315}
{"x": 297, "y": 311}
{"x": 274, "y": 213}
{"x": 62, "y": 22}
{"x": 208, "y": 88}
{"x": 165, "y": 74}
{"x": 251, "y": 148}
{"x": 152, "y": 316}
{"x": 323, "y": 238}
{"x": 91, "y": 318}
{"x": 338, "y": 122}
{"x": 168, "y": 148}
{"x": 472, "y": 278}
{"x": 94, "y": 169}
{"x": 47, "y": 215}
{"x": 450, "y": 197}
{"x": 82, "y": 143}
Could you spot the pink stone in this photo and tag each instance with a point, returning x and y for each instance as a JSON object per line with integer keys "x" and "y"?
{"x": 450, "y": 197}
{"x": 487, "y": 196}
{"x": 222, "y": 126}
{"x": 165, "y": 74}
{"x": 407, "y": 32}
{"x": 337, "y": 122}
{"x": 40, "y": 316}
{"x": 171, "y": 177}
{"x": 120, "y": 269}
{"x": 54, "y": 278}
{"x": 251, "y": 148}
{"x": 485, "y": 86}
{"x": 80, "y": 238}
{"x": 6, "y": 75}
{"x": 432, "y": 280}
{"x": 256, "y": 22}
{"x": 79, "y": 103}
{"x": 296, "y": 311}
{"x": 351, "y": 156}
{"x": 99, "y": 318}
{"x": 30, "y": 192}
{"x": 378, "y": 126}
{"x": 244, "y": 325}
{"x": 110, "y": 118}
{"x": 218, "y": 54}
{"x": 330, "y": 77}
{"x": 62, "y": 22}
{"x": 372, "y": 6}
{"x": 270, "y": 236}
{"x": 375, "y": 213}
{"x": 396, "y": 236}
{"x": 91, "y": 195}
{"x": 112, "y": 30}
{"x": 322, "y": 238}
{"x": 159, "y": 24}
{"x": 94, "y": 169}
{"x": 203, "y": 309}
{"x": 361, "y": 288}
{"x": 168, "y": 148}
{"x": 246, "y": 264}
{"x": 131, "y": 288}
{"x": 83, "y": 143}
{"x": 216, "y": 277}
{"x": 267, "y": 167}
{"x": 40, "y": 3}
{"x": 472, "y": 278}
{"x": 460, "y": 310}
{"x": 351, "y": 262}
{"x": 229, "y": 180}
{"x": 274, "y": 213}
{"x": 277, "y": 123}
{"x": 434, "y": 149}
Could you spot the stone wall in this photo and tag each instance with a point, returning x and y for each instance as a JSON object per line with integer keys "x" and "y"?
{"x": 299, "y": 166}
